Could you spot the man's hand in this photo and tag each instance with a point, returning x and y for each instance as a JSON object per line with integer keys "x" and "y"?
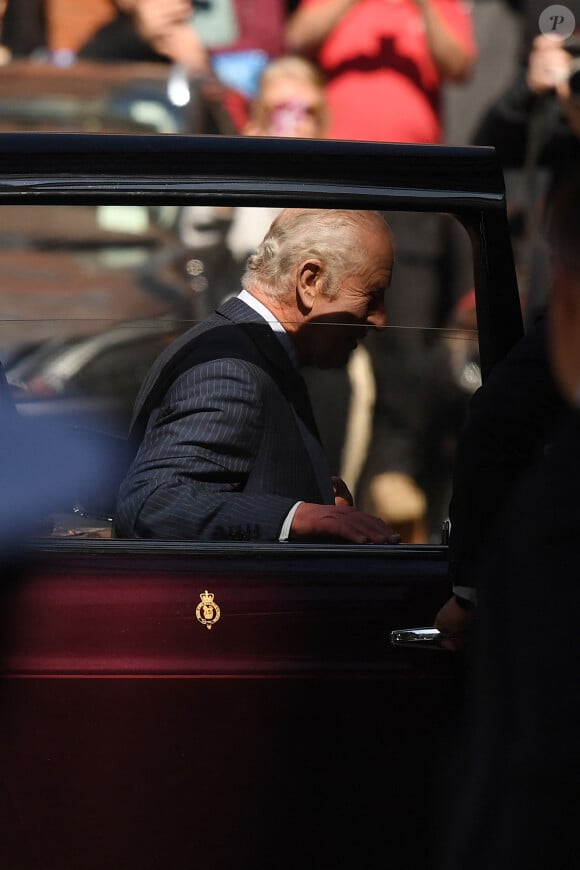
{"x": 319, "y": 521}
{"x": 453, "y": 620}
{"x": 342, "y": 494}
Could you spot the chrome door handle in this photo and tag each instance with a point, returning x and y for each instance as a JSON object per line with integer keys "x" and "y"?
{"x": 419, "y": 638}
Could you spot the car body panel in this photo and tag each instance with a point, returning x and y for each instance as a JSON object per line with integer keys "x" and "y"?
{"x": 283, "y": 608}
{"x": 288, "y": 734}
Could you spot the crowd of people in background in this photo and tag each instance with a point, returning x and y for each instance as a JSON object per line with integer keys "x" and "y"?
{"x": 416, "y": 71}
{"x": 495, "y": 72}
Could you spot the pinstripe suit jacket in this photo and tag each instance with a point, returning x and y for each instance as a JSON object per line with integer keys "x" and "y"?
{"x": 226, "y": 435}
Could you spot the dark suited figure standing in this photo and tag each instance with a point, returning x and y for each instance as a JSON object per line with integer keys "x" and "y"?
{"x": 228, "y": 447}
{"x": 519, "y": 791}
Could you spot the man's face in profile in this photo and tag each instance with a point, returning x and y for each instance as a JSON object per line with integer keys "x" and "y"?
{"x": 337, "y": 324}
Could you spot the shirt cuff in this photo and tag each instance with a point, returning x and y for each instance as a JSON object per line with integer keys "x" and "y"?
{"x": 285, "y": 530}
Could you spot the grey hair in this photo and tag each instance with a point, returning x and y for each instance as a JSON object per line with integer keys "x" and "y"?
{"x": 332, "y": 236}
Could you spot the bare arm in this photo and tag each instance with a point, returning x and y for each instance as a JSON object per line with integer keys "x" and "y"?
{"x": 165, "y": 25}
{"x": 452, "y": 60}
{"x": 307, "y": 29}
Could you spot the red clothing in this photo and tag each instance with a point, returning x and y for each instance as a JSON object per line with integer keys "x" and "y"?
{"x": 260, "y": 25}
{"x": 382, "y": 82}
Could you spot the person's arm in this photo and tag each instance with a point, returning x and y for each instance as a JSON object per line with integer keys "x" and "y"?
{"x": 453, "y": 60}
{"x": 165, "y": 26}
{"x": 187, "y": 481}
{"x": 188, "y": 477}
{"x": 310, "y": 26}
{"x": 506, "y": 125}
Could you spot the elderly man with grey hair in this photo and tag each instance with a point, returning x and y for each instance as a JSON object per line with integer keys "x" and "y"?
{"x": 226, "y": 443}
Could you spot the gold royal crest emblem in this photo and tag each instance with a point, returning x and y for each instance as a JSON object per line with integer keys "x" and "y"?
{"x": 207, "y": 611}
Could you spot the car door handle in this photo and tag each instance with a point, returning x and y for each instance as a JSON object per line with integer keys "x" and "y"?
{"x": 418, "y": 638}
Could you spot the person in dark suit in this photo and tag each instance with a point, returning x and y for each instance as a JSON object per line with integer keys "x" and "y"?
{"x": 511, "y": 419}
{"x": 228, "y": 447}
{"x": 519, "y": 790}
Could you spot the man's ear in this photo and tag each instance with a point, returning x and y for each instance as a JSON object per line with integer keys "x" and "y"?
{"x": 309, "y": 283}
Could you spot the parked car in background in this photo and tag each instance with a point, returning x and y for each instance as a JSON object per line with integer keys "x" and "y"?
{"x": 278, "y": 727}
{"x": 90, "y": 381}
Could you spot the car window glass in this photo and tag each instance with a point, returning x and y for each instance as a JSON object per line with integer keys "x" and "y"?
{"x": 122, "y": 363}
{"x": 91, "y": 294}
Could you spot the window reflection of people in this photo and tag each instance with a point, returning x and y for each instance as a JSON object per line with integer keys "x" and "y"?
{"x": 228, "y": 445}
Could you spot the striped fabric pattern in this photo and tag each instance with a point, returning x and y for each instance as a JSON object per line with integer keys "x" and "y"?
{"x": 230, "y": 446}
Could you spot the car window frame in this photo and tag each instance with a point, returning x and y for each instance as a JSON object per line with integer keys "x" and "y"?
{"x": 128, "y": 169}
